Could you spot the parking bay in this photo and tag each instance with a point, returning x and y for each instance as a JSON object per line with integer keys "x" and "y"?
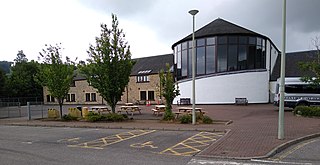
{"x": 87, "y": 145}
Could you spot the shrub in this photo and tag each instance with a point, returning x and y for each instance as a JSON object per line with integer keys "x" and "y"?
{"x": 307, "y": 111}
{"x": 114, "y": 117}
{"x": 207, "y": 120}
{"x": 69, "y": 117}
{"x": 185, "y": 119}
{"x": 168, "y": 116}
{"x": 93, "y": 117}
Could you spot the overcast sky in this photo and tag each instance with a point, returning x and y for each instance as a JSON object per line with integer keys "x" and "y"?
{"x": 151, "y": 26}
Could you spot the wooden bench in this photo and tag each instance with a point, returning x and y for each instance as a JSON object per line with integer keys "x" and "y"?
{"x": 103, "y": 110}
{"x": 184, "y": 101}
{"x": 156, "y": 111}
{"x": 241, "y": 101}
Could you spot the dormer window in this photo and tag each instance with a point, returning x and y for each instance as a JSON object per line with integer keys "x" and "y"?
{"x": 144, "y": 78}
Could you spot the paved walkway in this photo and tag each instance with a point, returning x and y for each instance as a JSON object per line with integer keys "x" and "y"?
{"x": 253, "y": 132}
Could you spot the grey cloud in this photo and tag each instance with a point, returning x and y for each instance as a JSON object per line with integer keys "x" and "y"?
{"x": 171, "y": 21}
{"x": 119, "y": 7}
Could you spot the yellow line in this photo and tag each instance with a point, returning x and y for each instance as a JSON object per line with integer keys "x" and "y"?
{"x": 284, "y": 155}
{"x": 201, "y": 139}
{"x": 102, "y": 142}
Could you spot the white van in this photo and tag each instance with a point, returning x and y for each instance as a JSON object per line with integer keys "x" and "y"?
{"x": 297, "y": 93}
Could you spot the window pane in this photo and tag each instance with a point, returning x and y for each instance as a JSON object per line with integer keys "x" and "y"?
{"x": 222, "y": 40}
{"x": 87, "y": 96}
{"x": 242, "y": 58}
{"x": 190, "y": 63}
{"x": 143, "y": 95}
{"x": 151, "y": 95}
{"x": 259, "y": 57}
{"x": 184, "y": 45}
{"x": 243, "y": 40}
{"x": 251, "y": 56}
{"x": 68, "y": 98}
{"x": 232, "y": 57}
{"x": 179, "y": 60}
{"x": 179, "y": 47}
{"x": 211, "y": 41}
{"x": 259, "y": 41}
{"x": 48, "y": 98}
{"x": 222, "y": 58}
{"x": 233, "y": 39}
{"x": 184, "y": 67}
{"x": 73, "y": 97}
{"x": 252, "y": 40}
{"x": 189, "y": 44}
{"x": 200, "y": 60}
{"x": 200, "y": 42}
{"x": 93, "y": 97}
{"x": 210, "y": 59}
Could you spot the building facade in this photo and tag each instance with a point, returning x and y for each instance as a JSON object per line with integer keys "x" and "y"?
{"x": 143, "y": 85}
{"x": 80, "y": 93}
{"x": 231, "y": 62}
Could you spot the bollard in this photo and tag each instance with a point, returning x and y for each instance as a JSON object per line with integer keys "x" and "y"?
{"x": 29, "y": 110}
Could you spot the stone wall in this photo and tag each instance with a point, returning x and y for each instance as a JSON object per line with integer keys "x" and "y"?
{"x": 81, "y": 88}
{"x": 134, "y": 88}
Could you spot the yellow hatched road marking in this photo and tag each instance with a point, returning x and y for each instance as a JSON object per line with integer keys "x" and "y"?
{"x": 193, "y": 145}
{"x": 102, "y": 142}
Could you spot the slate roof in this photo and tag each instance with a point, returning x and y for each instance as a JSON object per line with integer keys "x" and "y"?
{"x": 219, "y": 27}
{"x": 292, "y": 64}
{"x": 152, "y": 65}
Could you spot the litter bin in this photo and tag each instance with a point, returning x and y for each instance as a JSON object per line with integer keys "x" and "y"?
{"x": 80, "y": 109}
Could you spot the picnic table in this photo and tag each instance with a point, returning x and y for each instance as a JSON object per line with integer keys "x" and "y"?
{"x": 159, "y": 109}
{"x": 100, "y": 109}
{"x": 188, "y": 110}
{"x": 129, "y": 109}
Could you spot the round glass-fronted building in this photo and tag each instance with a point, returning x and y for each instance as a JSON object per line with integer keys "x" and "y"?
{"x": 231, "y": 62}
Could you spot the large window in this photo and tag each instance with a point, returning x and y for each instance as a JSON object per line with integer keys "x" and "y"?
{"x": 143, "y": 78}
{"x": 143, "y": 95}
{"x": 201, "y": 65}
{"x": 50, "y": 98}
{"x": 151, "y": 95}
{"x": 222, "y": 58}
{"x": 91, "y": 97}
{"x": 220, "y": 54}
{"x": 71, "y": 98}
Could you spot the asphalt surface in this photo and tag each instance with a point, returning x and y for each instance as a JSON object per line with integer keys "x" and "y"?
{"x": 251, "y": 134}
{"x": 50, "y": 145}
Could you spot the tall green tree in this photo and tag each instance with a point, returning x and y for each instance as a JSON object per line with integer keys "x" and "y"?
{"x": 109, "y": 64}
{"x": 312, "y": 66}
{"x": 55, "y": 74}
{"x": 6, "y": 66}
{"x": 169, "y": 91}
{"x": 22, "y": 80}
{"x": 2, "y": 83}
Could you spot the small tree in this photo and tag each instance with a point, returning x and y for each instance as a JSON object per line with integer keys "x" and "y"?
{"x": 21, "y": 57}
{"x": 109, "y": 64}
{"x": 55, "y": 74}
{"x": 168, "y": 91}
{"x": 2, "y": 83}
{"x": 313, "y": 66}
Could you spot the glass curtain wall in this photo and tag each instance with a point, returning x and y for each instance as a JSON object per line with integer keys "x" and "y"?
{"x": 220, "y": 54}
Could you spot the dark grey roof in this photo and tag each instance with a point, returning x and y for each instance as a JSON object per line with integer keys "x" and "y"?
{"x": 151, "y": 65}
{"x": 292, "y": 64}
{"x": 219, "y": 27}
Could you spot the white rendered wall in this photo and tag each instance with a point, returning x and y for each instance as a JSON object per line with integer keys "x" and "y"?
{"x": 224, "y": 89}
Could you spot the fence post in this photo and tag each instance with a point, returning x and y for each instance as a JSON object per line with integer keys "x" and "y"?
{"x": 42, "y": 110}
{"x": 29, "y": 110}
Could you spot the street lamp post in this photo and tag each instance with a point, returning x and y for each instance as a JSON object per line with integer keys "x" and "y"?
{"x": 193, "y": 13}
{"x": 282, "y": 75}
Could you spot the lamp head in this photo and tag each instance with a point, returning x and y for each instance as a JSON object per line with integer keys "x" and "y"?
{"x": 193, "y": 12}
